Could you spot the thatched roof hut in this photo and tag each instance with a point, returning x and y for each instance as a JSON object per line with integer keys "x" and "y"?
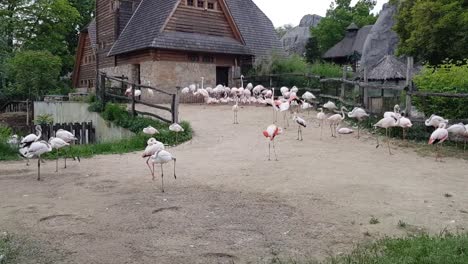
{"x": 388, "y": 68}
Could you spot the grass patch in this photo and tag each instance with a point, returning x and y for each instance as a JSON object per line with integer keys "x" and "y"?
{"x": 116, "y": 114}
{"x": 420, "y": 249}
{"x": 402, "y": 224}
{"x": 374, "y": 221}
{"x": 7, "y": 249}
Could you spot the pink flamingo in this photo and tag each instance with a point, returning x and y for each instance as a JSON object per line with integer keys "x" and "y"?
{"x": 270, "y": 133}
{"x": 438, "y": 137}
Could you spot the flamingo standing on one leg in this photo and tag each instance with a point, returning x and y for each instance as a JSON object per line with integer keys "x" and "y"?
{"x": 235, "y": 110}
{"x": 28, "y": 140}
{"x": 271, "y": 132}
{"x": 162, "y": 157}
{"x": 395, "y": 114}
{"x": 321, "y": 117}
{"x": 438, "y": 137}
{"x": 68, "y": 137}
{"x": 152, "y": 147}
{"x": 458, "y": 130}
{"x": 360, "y": 114}
{"x": 300, "y": 123}
{"x": 387, "y": 122}
{"x": 177, "y": 129}
{"x": 405, "y": 124}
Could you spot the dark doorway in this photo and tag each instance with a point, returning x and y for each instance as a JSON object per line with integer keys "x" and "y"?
{"x": 222, "y": 76}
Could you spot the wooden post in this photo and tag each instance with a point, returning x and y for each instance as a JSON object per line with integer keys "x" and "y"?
{"x": 27, "y": 112}
{"x": 175, "y": 105}
{"x": 102, "y": 88}
{"x": 133, "y": 99}
{"x": 343, "y": 86}
{"x": 409, "y": 85}
{"x": 365, "y": 96}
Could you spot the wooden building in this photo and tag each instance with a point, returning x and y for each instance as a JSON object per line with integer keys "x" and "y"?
{"x": 168, "y": 43}
{"x": 349, "y": 49}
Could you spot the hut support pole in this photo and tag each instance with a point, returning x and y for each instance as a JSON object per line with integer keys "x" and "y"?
{"x": 343, "y": 86}
{"x": 409, "y": 85}
{"x": 365, "y": 96}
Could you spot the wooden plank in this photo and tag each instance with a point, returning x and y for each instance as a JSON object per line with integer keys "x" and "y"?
{"x": 153, "y": 105}
{"x": 118, "y": 96}
{"x": 154, "y": 115}
{"x": 138, "y": 85}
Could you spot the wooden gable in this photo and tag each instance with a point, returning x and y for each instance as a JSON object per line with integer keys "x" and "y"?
{"x": 209, "y": 17}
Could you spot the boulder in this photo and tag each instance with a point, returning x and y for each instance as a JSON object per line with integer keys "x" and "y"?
{"x": 295, "y": 40}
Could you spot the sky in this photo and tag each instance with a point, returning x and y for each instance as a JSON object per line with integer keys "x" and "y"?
{"x": 291, "y": 11}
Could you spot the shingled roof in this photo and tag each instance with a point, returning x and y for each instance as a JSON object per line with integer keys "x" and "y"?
{"x": 388, "y": 68}
{"x": 352, "y": 42}
{"x": 144, "y": 30}
{"x": 91, "y": 29}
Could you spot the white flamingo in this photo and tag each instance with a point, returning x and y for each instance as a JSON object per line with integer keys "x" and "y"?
{"x": 28, "y": 140}
{"x": 405, "y": 123}
{"x": 300, "y": 123}
{"x": 395, "y": 114}
{"x": 57, "y": 143}
{"x": 176, "y": 128}
{"x": 13, "y": 141}
{"x": 438, "y": 137}
{"x": 68, "y": 137}
{"x": 150, "y": 130}
{"x": 360, "y": 114}
{"x": 386, "y": 122}
{"x": 330, "y": 106}
{"x": 321, "y": 118}
{"x": 235, "y": 110}
{"x": 335, "y": 120}
{"x": 162, "y": 157}
{"x": 435, "y": 121}
{"x": 308, "y": 96}
{"x": 35, "y": 150}
{"x": 344, "y": 130}
{"x": 152, "y": 147}
{"x": 459, "y": 130}
{"x": 306, "y": 106}
{"x": 270, "y": 133}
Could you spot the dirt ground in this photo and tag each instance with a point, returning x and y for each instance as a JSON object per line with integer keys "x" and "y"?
{"x": 229, "y": 204}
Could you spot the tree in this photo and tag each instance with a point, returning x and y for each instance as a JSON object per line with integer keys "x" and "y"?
{"x": 282, "y": 30}
{"x": 35, "y": 73}
{"x": 433, "y": 30}
{"x": 312, "y": 50}
{"x": 340, "y": 15}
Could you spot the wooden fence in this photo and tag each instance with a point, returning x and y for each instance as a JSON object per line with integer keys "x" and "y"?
{"x": 84, "y": 132}
{"x": 16, "y": 106}
{"x": 107, "y": 91}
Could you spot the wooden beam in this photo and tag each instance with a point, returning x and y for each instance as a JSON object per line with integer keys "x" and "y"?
{"x": 153, "y": 105}
{"x": 154, "y": 115}
{"x": 138, "y": 85}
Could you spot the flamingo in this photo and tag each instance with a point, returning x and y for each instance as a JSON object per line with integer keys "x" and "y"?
{"x": 28, "y": 140}
{"x": 405, "y": 124}
{"x": 36, "y": 149}
{"x": 270, "y": 133}
{"x": 249, "y": 86}
{"x": 306, "y": 106}
{"x": 284, "y": 90}
{"x": 438, "y": 137}
{"x": 294, "y": 89}
{"x": 300, "y": 123}
{"x": 459, "y": 130}
{"x": 242, "y": 81}
{"x": 192, "y": 88}
{"x": 330, "y": 106}
{"x": 387, "y": 122}
{"x": 321, "y": 117}
{"x": 258, "y": 89}
{"x": 435, "y": 120}
{"x": 152, "y": 147}
{"x": 360, "y": 114}
{"x": 13, "y": 141}
{"x": 68, "y": 137}
{"x": 308, "y": 96}
{"x": 150, "y": 130}
{"x": 395, "y": 114}
{"x": 57, "y": 143}
{"x": 185, "y": 90}
{"x": 336, "y": 119}
{"x": 176, "y": 128}
{"x": 162, "y": 157}
{"x": 344, "y": 130}
{"x": 235, "y": 110}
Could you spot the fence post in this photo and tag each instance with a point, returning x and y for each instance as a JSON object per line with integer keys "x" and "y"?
{"x": 409, "y": 85}
{"x": 175, "y": 105}
{"x": 365, "y": 96}
{"x": 133, "y": 100}
{"x": 343, "y": 86}
{"x": 102, "y": 88}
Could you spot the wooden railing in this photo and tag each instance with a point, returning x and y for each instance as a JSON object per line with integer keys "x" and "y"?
{"x": 106, "y": 92}
{"x": 16, "y": 106}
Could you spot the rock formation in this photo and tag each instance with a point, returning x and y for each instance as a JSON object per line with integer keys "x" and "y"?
{"x": 295, "y": 40}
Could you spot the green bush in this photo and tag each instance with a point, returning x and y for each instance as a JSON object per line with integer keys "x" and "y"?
{"x": 450, "y": 77}
{"x": 44, "y": 119}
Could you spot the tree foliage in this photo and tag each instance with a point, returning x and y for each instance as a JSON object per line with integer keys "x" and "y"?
{"x": 312, "y": 53}
{"x": 433, "y": 30}
{"x": 35, "y": 73}
{"x": 449, "y": 77}
{"x": 340, "y": 15}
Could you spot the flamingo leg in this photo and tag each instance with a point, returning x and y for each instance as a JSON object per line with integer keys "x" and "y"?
{"x": 388, "y": 143}
{"x": 153, "y": 172}
{"x": 298, "y": 128}
{"x": 269, "y": 150}
{"x": 464, "y": 147}
{"x": 274, "y": 150}
{"x": 175, "y": 177}
{"x": 321, "y": 129}
{"x": 39, "y": 168}
{"x": 56, "y": 161}
{"x": 149, "y": 167}
{"x": 162, "y": 178}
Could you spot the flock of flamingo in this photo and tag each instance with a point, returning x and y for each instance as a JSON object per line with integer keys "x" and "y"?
{"x": 32, "y": 146}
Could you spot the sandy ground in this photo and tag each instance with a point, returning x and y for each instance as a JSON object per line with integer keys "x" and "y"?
{"x": 229, "y": 204}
